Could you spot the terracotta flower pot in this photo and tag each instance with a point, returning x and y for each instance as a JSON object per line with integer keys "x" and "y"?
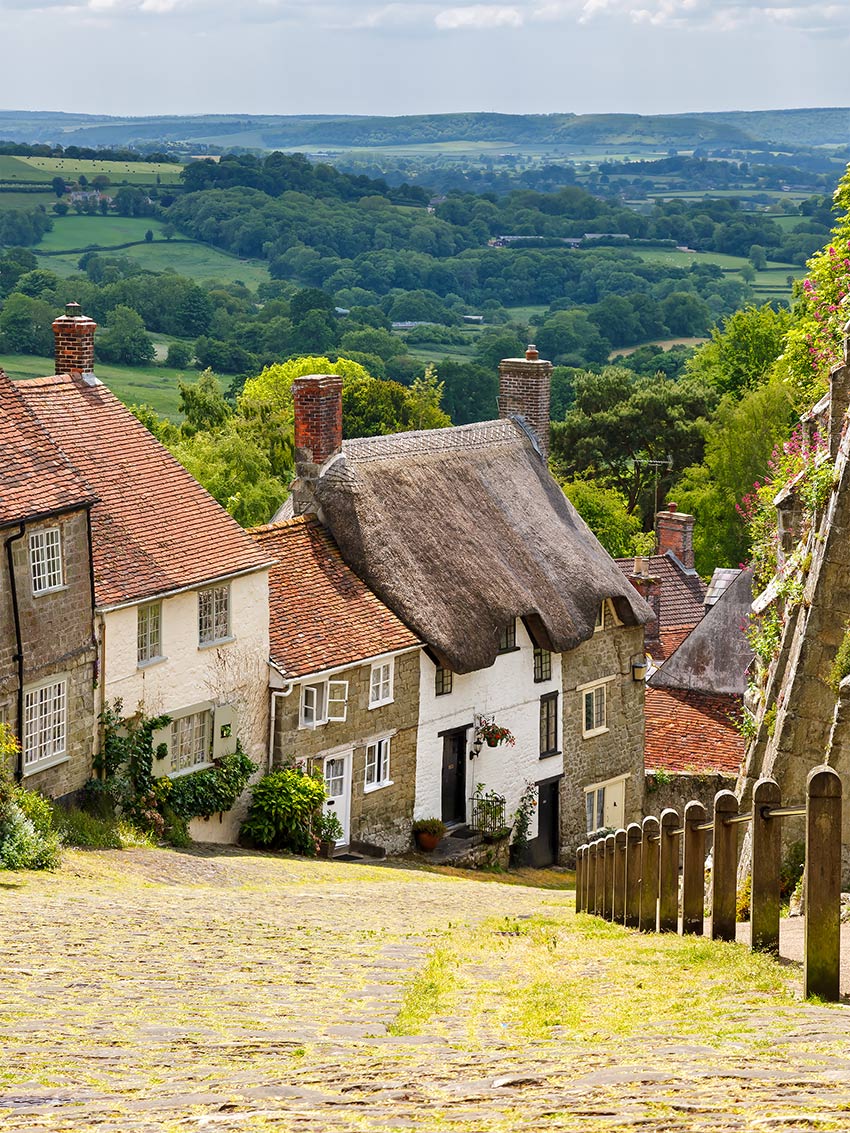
{"x": 427, "y": 842}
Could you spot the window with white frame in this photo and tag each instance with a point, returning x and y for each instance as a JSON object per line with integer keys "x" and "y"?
{"x": 149, "y": 633}
{"x": 213, "y": 615}
{"x": 322, "y": 702}
{"x": 605, "y": 804}
{"x": 46, "y": 560}
{"x": 45, "y": 724}
{"x": 377, "y": 765}
{"x": 595, "y": 708}
{"x": 191, "y": 741}
{"x": 381, "y": 684}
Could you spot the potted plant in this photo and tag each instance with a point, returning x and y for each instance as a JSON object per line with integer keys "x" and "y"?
{"x": 328, "y": 830}
{"x": 428, "y": 832}
{"x": 494, "y": 734}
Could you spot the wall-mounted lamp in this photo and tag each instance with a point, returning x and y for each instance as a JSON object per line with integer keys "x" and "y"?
{"x": 639, "y": 669}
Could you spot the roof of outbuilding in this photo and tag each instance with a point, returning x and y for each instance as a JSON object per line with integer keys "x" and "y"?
{"x": 690, "y": 731}
{"x": 154, "y": 528}
{"x": 461, "y": 530}
{"x": 716, "y": 654}
{"x": 322, "y": 615}
{"x": 36, "y": 478}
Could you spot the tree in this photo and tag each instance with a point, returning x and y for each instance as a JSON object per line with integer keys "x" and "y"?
{"x": 758, "y": 257}
{"x": 202, "y": 404}
{"x": 58, "y": 186}
{"x": 179, "y": 355}
{"x": 424, "y": 399}
{"x": 61, "y": 208}
{"x": 741, "y": 353}
{"x": 310, "y": 299}
{"x": 738, "y": 447}
{"x": 149, "y": 236}
{"x": 620, "y": 420}
{"x": 125, "y": 339}
{"x": 605, "y": 512}
{"x": 26, "y": 325}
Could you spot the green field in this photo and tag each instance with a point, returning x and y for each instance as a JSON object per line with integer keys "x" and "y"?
{"x": 196, "y": 261}
{"x": 118, "y": 172}
{"x": 134, "y": 385}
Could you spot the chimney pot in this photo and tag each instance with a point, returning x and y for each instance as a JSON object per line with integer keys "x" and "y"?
{"x": 531, "y": 353}
{"x": 672, "y": 507}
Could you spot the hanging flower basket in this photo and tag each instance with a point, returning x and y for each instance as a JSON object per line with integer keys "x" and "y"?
{"x": 494, "y": 734}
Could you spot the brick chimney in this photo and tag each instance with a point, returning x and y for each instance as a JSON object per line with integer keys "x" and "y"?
{"x": 649, "y": 589}
{"x": 318, "y": 417}
{"x": 674, "y": 530}
{"x": 524, "y": 390}
{"x": 74, "y": 331}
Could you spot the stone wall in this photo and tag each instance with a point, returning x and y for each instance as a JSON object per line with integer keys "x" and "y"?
{"x": 57, "y": 638}
{"x": 381, "y": 817}
{"x": 618, "y": 750}
{"x": 678, "y": 790}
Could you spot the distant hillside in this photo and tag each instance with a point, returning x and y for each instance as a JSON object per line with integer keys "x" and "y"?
{"x": 736, "y": 129}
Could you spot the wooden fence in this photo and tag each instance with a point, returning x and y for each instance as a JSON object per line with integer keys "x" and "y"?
{"x": 632, "y": 877}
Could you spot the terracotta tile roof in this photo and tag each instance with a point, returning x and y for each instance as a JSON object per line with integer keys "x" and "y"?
{"x": 681, "y": 595}
{"x": 692, "y": 731}
{"x": 36, "y": 478}
{"x": 322, "y": 615}
{"x": 154, "y": 529}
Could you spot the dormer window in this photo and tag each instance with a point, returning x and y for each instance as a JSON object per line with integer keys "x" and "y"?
{"x": 600, "y": 617}
{"x": 507, "y": 642}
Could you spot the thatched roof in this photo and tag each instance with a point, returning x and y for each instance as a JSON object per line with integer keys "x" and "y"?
{"x": 461, "y": 530}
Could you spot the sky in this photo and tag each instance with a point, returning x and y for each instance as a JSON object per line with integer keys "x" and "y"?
{"x": 145, "y": 57}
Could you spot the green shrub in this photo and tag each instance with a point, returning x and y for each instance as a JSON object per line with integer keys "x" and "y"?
{"x": 791, "y": 870}
{"x": 742, "y": 899}
{"x": 27, "y": 837}
{"x": 429, "y": 826}
{"x": 284, "y": 806}
{"x": 87, "y": 831}
{"x": 841, "y": 665}
{"x": 212, "y": 790}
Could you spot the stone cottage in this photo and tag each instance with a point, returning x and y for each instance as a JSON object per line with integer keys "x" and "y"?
{"x": 344, "y": 685}
{"x": 48, "y": 667}
{"x": 527, "y": 623}
{"x": 180, "y": 590}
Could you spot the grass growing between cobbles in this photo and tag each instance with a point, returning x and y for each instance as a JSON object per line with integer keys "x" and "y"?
{"x": 217, "y": 989}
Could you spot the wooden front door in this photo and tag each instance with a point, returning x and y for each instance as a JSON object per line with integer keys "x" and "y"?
{"x": 544, "y": 848}
{"x": 454, "y": 776}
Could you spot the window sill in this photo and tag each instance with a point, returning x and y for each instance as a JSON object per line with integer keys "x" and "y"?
{"x": 594, "y": 732}
{"x": 543, "y": 680}
{"x": 218, "y": 641}
{"x": 150, "y": 662}
{"x": 513, "y": 649}
{"x": 381, "y": 703}
{"x": 50, "y": 590}
{"x": 549, "y": 754}
{"x": 370, "y": 788}
{"x": 45, "y": 765}
{"x": 189, "y": 770}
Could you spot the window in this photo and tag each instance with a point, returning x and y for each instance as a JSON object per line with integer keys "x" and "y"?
{"x": 191, "y": 741}
{"x": 381, "y": 684}
{"x": 595, "y": 710}
{"x": 148, "y": 633}
{"x": 46, "y": 560}
{"x": 507, "y": 641}
{"x": 443, "y": 681}
{"x": 323, "y": 701}
{"x": 377, "y": 765}
{"x": 542, "y": 665}
{"x": 549, "y": 724}
{"x": 213, "y": 615}
{"x": 45, "y": 724}
{"x": 600, "y": 617}
{"x": 605, "y": 804}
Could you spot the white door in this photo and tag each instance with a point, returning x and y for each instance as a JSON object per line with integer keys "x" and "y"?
{"x": 338, "y": 787}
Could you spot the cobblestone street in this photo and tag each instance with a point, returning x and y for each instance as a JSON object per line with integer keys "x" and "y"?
{"x": 224, "y": 990}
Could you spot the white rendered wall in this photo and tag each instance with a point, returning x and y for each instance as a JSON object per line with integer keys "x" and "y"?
{"x": 506, "y": 691}
{"x": 235, "y": 672}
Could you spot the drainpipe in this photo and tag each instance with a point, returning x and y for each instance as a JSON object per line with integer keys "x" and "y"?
{"x": 19, "y": 655}
{"x": 275, "y": 694}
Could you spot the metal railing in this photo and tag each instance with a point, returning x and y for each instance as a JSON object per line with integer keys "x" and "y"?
{"x": 632, "y": 877}
{"x": 488, "y": 813}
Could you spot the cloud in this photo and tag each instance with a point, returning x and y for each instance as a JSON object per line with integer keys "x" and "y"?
{"x": 478, "y": 17}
